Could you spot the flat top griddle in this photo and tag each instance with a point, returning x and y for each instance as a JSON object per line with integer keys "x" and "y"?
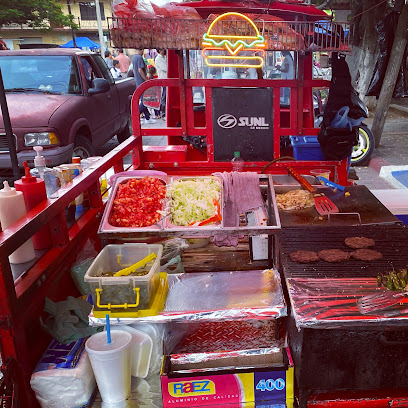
{"x": 390, "y": 239}
{"x": 360, "y": 201}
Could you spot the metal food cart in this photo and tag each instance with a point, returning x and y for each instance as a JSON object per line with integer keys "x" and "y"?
{"x": 195, "y": 148}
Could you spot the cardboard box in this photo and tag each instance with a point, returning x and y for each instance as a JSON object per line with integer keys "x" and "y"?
{"x": 192, "y": 380}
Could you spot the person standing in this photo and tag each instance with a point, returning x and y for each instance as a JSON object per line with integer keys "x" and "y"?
{"x": 109, "y": 59}
{"x": 161, "y": 67}
{"x": 152, "y": 74}
{"x": 124, "y": 63}
{"x": 287, "y": 70}
{"x": 139, "y": 72}
{"x": 3, "y": 46}
{"x": 115, "y": 70}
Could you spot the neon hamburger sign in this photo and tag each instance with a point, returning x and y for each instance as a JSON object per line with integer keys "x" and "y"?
{"x": 233, "y": 50}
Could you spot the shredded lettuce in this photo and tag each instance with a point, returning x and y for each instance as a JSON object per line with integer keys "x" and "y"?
{"x": 192, "y": 200}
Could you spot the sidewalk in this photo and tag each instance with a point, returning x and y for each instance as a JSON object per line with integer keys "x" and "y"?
{"x": 393, "y": 149}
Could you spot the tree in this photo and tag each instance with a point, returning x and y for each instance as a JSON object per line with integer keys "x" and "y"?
{"x": 34, "y": 13}
{"x": 367, "y": 13}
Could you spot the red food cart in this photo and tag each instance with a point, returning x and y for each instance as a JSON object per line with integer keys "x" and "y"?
{"x": 198, "y": 142}
{"x": 197, "y": 145}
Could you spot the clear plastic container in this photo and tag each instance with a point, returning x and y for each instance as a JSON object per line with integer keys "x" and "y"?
{"x": 51, "y": 183}
{"x": 124, "y": 292}
{"x": 237, "y": 162}
{"x": 321, "y": 173}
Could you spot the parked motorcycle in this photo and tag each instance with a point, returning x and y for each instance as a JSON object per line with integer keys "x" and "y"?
{"x": 362, "y": 152}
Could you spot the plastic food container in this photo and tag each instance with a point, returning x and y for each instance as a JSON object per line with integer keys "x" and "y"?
{"x": 124, "y": 292}
{"x": 320, "y": 172}
{"x": 170, "y": 225}
{"x": 142, "y": 346}
{"x": 306, "y": 148}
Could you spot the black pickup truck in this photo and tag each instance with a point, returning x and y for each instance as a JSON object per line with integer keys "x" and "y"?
{"x": 64, "y": 100}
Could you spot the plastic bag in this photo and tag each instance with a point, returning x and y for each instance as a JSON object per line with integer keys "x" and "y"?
{"x": 175, "y": 11}
{"x": 78, "y": 272}
{"x": 385, "y": 38}
{"x": 171, "y": 255}
{"x": 133, "y": 9}
{"x": 341, "y": 120}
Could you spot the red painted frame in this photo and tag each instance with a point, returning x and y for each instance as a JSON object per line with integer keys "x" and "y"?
{"x": 361, "y": 399}
{"x": 180, "y": 90}
{"x": 22, "y": 301}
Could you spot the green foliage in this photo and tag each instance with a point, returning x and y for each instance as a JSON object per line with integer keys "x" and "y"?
{"x": 35, "y": 13}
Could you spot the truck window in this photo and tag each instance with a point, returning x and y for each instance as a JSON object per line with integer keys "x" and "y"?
{"x": 90, "y": 71}
{"x": 103, "y": 68}
{"x": 40, "y": 73}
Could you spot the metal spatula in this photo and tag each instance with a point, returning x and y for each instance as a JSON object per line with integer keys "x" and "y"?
{"x": 323, "y": 204}
{"x": 379, "y": 301}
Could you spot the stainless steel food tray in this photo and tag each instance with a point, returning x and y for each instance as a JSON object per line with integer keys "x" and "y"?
{"x": 168, "y": 225}
{"x": 164, "y": 228}
{"x": 106, "y": 227}
{"x": 286, "y": 180}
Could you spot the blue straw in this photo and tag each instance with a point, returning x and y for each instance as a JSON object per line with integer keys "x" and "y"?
{"x": 108, "y": 333}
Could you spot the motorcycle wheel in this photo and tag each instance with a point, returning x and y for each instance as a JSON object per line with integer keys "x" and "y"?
{"x": 361, "y": 153}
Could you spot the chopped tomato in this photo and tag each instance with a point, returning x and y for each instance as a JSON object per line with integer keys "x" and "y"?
{"x": 137, "y": 202}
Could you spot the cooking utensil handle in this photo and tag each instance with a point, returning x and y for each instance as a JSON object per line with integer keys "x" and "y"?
{"x": 304, "y": 183}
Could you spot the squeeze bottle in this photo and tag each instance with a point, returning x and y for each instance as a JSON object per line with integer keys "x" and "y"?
{"x": 12, "y": 208}
{"x": 237, "y": 162}
{"x": 34, "y": 192}
{"x": 39, "y": 161}
{"x": 51, "y": 185}
{"x": 80, "y": 199}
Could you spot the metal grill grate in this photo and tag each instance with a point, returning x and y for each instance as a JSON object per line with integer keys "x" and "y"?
{"x": 390, "y": 240}
{"x": 184, "y": 34}
{"x": 4, "y": 147}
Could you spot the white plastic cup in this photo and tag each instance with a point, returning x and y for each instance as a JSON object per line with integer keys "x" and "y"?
{"x": 111, "y": 364}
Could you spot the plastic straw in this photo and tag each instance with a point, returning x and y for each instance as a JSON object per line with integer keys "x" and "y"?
{"x": 108, "y": 332}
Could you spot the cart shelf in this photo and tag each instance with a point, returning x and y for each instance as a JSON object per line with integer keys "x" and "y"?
{"x": 186, "y": 34}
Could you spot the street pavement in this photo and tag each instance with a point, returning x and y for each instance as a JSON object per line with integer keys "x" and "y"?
{"x": 393, "y": 149}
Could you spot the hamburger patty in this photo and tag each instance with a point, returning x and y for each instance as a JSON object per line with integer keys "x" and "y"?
{"x": 359, "y": 242}
{"x": 304, "y": 256}
{"x": 334, "y": 255}
{"x": 366, "y": 255}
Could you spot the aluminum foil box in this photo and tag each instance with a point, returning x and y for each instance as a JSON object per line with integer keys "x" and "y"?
{"x": 202, "y": 379}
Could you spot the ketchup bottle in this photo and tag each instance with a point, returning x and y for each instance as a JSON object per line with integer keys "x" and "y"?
{"x": 34, "y": 192}
{"x": 12, "y": 208}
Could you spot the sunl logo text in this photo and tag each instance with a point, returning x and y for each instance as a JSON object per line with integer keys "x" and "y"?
{"x": 191, "y": 388}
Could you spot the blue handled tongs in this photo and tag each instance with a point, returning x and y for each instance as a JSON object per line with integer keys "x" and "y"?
{"x": 329, "y": 183}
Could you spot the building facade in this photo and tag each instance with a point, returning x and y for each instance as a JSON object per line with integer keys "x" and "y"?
{"x": 84, "y": 13}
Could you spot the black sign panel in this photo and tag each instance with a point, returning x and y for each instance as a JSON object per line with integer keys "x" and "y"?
{"x": 242, "y": 122}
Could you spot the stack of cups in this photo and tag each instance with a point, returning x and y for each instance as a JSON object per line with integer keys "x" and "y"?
{"x": 111, "y": 364}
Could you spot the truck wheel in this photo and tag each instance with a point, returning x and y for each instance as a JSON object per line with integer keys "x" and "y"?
{"x": 126, "y": 132}
{"x": 83, "y": 147}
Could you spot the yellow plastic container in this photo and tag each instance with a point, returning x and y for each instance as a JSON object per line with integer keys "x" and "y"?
{"x": 155, "y": 307}
{"x": 132, "y": 292}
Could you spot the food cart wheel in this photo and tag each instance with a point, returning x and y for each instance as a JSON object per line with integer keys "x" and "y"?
{"x": 362, "y": 152}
